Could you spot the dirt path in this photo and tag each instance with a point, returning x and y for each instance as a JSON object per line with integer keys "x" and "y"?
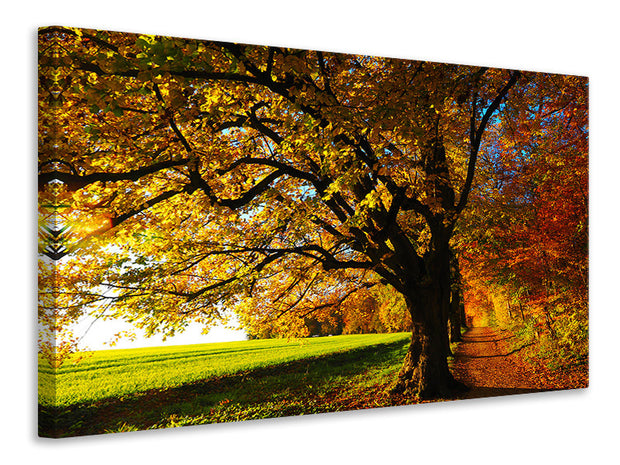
{"x": 486, "y": 362}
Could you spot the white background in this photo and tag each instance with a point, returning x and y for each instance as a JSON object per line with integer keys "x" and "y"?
{"x": 557, "y": 36}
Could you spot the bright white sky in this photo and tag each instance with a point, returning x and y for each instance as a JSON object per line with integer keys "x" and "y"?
{"x": 102, "y": 332}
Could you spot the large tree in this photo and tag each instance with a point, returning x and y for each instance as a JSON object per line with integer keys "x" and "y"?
{"x": 181, "y": 178}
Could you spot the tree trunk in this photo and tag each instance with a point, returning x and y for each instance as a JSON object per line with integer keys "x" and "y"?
{"x": 456, "y": 319}
{"x": 548, "y": 322}
{"x": 425, "y": 373}
{"x": 455, "y": 322}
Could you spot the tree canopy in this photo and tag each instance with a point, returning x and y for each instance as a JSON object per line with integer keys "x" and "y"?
{"x": 181, "y": 180}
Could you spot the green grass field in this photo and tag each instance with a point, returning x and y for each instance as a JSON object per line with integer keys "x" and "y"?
{"x": 117, "y": 373}
{"x": 136, "y": 389}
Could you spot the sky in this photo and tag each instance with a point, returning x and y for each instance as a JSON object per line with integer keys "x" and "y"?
{"x": 98, "y": 335}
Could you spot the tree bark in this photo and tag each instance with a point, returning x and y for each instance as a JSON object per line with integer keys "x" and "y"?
{"x": 425, "y": 373}
{"x": 456, "y": 320}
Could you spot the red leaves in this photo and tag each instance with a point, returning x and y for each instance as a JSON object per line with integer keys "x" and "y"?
{"x": 528, "y": 235}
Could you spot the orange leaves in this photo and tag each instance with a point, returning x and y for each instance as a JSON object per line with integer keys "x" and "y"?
{"x": 56, "y": 351}
{"x": 129, "y": 335}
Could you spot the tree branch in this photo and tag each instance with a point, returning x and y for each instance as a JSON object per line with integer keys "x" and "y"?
{"x": 171, "y": 121}
{"x": 476, "y": 136}
{"x": 75, "y": 182}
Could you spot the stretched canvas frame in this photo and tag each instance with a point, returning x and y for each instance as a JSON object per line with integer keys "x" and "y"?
{"x": 302, "y": 193}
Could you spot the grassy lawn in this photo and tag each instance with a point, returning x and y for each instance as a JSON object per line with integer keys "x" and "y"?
{"x": 131, "y": 389}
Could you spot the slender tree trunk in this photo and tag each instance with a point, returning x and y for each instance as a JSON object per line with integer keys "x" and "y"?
{"x": 549, "y": 324}
{"x": 455, "y": 321}
{"x": 444, "y": 303}
{"x": 457, "y": 317}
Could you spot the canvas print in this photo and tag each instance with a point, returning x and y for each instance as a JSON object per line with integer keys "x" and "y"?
{"x": 336, "y": 231}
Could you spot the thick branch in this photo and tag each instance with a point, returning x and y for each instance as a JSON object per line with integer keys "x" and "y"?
{"x": 280, "y": 166}
{"x": 148, "y": 204}
{"x": 75, "y": 182}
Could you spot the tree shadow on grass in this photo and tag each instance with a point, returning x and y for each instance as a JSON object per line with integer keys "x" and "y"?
{"x": 261, "y": 386}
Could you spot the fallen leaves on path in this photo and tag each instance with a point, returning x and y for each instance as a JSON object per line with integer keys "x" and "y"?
{"x": 488, "y": 361}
